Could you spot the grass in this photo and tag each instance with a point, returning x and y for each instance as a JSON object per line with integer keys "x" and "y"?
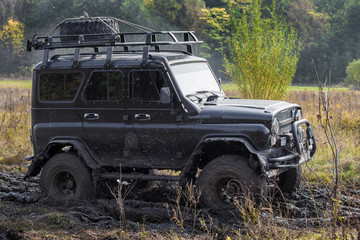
{"x": 15, "y": 131}
{"x": 231, "y": 88}
{"x": 345, "y": 117}
{"x": 15, "y": 125}
{"x": 10, "y": 83}
{"x": 315, "y": 88}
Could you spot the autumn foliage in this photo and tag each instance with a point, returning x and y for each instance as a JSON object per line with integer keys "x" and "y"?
{"x": 11, "y": 44}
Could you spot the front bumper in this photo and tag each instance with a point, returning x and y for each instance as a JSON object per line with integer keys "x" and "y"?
{"x": 303, "y": 151}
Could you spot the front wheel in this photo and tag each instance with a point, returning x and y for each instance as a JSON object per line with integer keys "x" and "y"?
{"x": 65, "y": 177}
{"x": 229, "y": 178}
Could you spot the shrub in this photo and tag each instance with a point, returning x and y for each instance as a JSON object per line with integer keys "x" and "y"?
{"x": 263, "y": 52}
{"x": 353, "y": 74}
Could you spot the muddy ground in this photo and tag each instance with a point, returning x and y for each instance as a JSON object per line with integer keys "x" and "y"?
{"x": 151, "y": 213}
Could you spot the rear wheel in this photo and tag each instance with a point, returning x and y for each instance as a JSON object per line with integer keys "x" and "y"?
{"x": 289, "y": 181}
{"x": 227, "y": 179}
{"x": 65, "y": 177}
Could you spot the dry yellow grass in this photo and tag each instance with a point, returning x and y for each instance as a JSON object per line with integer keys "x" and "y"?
{"x": 345, "y": 105}
{"x": 345, "y": 118}
{"x": 14, "y": 125}
{"x": 15, "y": 145}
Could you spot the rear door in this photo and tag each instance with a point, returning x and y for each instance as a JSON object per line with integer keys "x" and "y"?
{"x": 102, "y": 109}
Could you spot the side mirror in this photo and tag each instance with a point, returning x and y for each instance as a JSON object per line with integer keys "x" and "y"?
{"x": 219, "y": 81}
{"x": 165, "y": 95}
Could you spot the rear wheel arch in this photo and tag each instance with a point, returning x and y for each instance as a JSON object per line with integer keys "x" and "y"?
{"x": 62, "y": 146}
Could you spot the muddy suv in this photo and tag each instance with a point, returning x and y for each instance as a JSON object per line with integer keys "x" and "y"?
{"x": 136, "y": 107}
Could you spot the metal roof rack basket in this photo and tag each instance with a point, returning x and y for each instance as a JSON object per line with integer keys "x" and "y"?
{"x": 95, "y": 32}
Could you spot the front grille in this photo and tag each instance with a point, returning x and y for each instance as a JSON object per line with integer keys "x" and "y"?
{"x": 286, "y": 119}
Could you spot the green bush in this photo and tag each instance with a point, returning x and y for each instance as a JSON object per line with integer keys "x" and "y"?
{"x": 353, "y": 74}
{"x": 264, "y": 52}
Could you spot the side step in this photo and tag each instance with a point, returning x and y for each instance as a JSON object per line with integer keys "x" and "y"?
{"x": 139, "y": 176}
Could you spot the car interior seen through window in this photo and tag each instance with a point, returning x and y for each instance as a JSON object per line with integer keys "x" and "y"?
{"x": 146, "y": 85}
{"x": 59, "y": 86}
{"x": 104, "y": 87}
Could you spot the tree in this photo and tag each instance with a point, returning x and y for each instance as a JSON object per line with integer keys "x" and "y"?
{"x": 135, "y": 11}
{"x": 352, "y": 27}
{"x": 263, "y": 52}
{"x": 12, "y": 8}
{"x": 214, "y": 31}
{"x": 177, "y": 13}
{"x": 215, "y": 3}
{"x": 310, "y": 25}
{"x": 11, "y": 45}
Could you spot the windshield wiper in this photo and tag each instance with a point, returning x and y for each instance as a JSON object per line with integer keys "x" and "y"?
{"x": 210, "y": 98}
{"x": 201, "y": 95}
{"x": 199, "y": 99}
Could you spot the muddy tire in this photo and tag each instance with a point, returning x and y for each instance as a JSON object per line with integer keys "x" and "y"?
{"x": 87, "y": 26}
{"x": 289, "y": 181}
{"x": 227, "y": 178}
{"x": 65, "y": 177}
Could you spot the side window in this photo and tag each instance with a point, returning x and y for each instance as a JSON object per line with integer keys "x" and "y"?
{"x": 59, "y": 86}
{"x": 104, "y": 87}
{"x": 146, "y": 85}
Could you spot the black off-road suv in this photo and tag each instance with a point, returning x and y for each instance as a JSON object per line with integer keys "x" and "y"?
{"x": 125, "y": 102}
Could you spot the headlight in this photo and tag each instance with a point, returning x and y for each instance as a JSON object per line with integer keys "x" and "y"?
{"x": 298, "y": 115}
{"x": 300, "y": 133}
{"x": 275, "y": 127}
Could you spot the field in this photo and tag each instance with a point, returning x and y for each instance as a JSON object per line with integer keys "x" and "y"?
{"x": 345, "y": 119}
{"x": 166, "y": 216}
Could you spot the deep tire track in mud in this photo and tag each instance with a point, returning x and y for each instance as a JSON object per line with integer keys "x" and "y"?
{"x": 155, "y": 207}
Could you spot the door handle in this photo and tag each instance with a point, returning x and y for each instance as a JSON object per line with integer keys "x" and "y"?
{"x": 91, "y": 116}
{"x": 142, "y": 117}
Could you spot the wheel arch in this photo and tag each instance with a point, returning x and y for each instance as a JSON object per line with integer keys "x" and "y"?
{"x": 211, "y": 148}
{"x": 62, "y": 145}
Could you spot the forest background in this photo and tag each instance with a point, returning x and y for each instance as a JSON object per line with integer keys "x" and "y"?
{"x": 329, "y": 30}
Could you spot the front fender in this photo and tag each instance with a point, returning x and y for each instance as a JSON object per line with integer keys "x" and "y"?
{"x": 190, "y": 167}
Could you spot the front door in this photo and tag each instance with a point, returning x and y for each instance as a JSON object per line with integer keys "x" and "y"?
{"x": 154, "y": 122}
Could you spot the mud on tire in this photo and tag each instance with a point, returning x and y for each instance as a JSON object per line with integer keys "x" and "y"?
{"x": 227, "y": 178}
{"x": 65, "y": 177}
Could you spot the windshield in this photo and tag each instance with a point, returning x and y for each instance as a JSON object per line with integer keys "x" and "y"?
{"x": 195, "y": 77}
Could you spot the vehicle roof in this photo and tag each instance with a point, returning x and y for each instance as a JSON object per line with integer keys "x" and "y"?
{"x": 118, "y": 59}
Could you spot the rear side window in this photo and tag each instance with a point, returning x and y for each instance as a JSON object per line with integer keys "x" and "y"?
{"x": 59, "y": 86}
{"x": 104, "y": 87}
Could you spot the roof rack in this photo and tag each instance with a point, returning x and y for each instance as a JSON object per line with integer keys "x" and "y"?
{"x": 147, "y": 38}
{"x": 111, "y": 39}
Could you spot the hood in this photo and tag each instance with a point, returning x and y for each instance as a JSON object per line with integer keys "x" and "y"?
{"x": 243, "y": 110}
